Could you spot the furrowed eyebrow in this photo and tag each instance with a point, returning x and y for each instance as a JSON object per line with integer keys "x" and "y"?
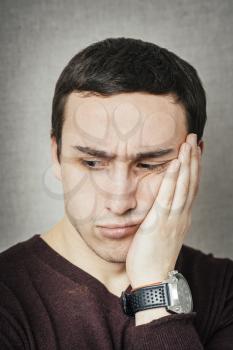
{"x": 154, "y": 154}
{"x": 141, "y": 155}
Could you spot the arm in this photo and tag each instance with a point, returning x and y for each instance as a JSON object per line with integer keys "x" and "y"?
{"x": 153, "y": 329}
{"x": 154, "y": 251}
{"x": 9, "y": 333}
{"x": 12, "y": 333}
{"x": 173, "y": 332}
{"x": 222, "y": 337}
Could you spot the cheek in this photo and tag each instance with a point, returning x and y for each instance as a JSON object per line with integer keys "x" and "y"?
{"x": 79, "y": 194}
{"x": 72, "y": 180}
{"x": 148, "y": 187}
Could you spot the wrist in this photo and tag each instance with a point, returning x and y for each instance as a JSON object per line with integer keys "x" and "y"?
{"x": 151, "y": 280}
{"x": 173, "y": 296}
{"x": 146, "y": 316}
{"x": 137, "y": 286}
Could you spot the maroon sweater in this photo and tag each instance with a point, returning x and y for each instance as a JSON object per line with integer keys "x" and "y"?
{"x": 47, "y": 303}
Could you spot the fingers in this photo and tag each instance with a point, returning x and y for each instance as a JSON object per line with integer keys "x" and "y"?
{"x": 161, "y": 206}
{"x": 164, "y": 198}
{"x": 189, "y": 176}
{"x": 180, "y": 182}
{"x": 194, "y": 171}
{"x": 182, "y": 185}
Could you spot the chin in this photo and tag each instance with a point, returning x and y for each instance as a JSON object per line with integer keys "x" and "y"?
{"x": 113, "y": 254}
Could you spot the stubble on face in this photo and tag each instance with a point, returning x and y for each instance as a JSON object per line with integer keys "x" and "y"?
{"x": 122, "y": 124}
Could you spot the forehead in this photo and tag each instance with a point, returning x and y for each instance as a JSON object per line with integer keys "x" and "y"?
{"x": 133, "y": 118}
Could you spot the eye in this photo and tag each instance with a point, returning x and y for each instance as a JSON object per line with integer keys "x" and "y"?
{"x": 153, "y": 166}
{"x": 92, "y": 165}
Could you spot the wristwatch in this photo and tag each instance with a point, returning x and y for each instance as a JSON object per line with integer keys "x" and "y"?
{"x": 174, "y": 294}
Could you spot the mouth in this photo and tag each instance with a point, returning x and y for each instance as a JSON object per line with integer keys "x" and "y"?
{"x": 126, "y": 224}
{"x": 117, "y": 232}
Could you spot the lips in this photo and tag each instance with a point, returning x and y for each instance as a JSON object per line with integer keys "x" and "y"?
{"x": 119, "y": 226}
{"x": 118, "y": 232}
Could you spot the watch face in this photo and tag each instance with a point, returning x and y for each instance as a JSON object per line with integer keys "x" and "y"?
{"x": 180, "y": 294}
{"x": 184, "y": 294}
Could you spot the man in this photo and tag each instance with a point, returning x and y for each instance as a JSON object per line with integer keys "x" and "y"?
{"x": 126, "y": 140}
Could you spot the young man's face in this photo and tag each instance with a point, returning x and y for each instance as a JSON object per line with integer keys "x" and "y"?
{"x": 121, "y": 189}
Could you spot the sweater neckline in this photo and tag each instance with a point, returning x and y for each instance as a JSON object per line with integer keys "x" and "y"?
{"x": 59, "y": 263}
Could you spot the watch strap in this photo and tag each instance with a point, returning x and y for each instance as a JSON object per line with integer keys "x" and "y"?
{"x": 146, "y": 298}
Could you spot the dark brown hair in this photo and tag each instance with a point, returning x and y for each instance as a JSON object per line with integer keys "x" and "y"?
{"x": 116, "y": 65}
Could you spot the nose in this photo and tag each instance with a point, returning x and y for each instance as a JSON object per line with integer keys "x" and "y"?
{"x": 121, "y": 195}
{"x": 121, "y": 206}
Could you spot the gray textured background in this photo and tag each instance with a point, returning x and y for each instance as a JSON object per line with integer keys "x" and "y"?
{"x": 39, "y": 38}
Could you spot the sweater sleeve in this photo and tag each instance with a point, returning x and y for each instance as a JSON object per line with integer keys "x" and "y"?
{"x": 173, "y": 332}
{"x": 13, "y": 326}
{"x": 222, "y": 337}
{"x": 9, "y": 336}
{"x": 177, "y": 332}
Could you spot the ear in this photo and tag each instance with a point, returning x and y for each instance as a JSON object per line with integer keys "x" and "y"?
{"x": 201, "y": 144}
{"x": 56, "y": 164}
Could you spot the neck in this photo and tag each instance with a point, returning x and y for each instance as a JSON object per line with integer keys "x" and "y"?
{"x": 64, "y": 238}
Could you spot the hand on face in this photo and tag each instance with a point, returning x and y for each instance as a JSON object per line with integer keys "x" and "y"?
{"x": 157, "y": 243}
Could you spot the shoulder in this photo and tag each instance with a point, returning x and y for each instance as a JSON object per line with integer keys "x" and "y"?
{"x": 211, "y": 281}
{"x": 13, "y": 319}
{"x": 15, "y": 276}
{"x": 11, "y": 259}
{"x": 14, "y": 263}
{"x": 205, "y": 268}
{"x": 193, "y": 259}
